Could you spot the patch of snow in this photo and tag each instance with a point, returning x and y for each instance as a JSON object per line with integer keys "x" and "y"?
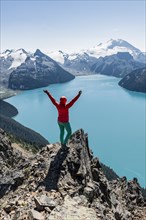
{"x": 58, "y": 56}
{"x": 33, "y": 58}
{"x": 102, "y": 52}
{"x": 19, "y": 57}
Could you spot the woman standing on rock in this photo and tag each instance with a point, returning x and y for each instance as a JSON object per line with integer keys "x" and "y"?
{"x": 63, "y": 115}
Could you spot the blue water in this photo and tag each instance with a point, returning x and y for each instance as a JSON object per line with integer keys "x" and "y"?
{"x": 114, "y": 119}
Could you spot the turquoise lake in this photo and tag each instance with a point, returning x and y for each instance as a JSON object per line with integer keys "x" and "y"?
{"x": 113, "y": 117}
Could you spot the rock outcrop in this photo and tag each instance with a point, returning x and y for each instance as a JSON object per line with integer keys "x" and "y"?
{"x": 63, "y": 183}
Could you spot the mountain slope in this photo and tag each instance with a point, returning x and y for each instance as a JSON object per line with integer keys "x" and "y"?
{"x": 135, "y": 81}
{"x": 118, "y": 65}
{"x": 7, "y": 109}
{"x": 38, "y": 71}
{"x": 63, "y": 183}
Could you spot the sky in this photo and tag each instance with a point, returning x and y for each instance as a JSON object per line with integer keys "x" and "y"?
{"x": 70, "y": 25}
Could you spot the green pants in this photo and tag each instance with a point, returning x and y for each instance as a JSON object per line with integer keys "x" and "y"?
{"x": 64, "y": 126}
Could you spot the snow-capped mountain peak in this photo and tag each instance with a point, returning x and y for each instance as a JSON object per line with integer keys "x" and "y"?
{"x": 112, "y": 44}
{"x": 113, "y": 47}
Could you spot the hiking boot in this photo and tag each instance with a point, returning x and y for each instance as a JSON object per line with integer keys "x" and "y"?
{"x": 63, "y": 145}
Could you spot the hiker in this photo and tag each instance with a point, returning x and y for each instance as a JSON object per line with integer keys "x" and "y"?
{"x": 63, "y": 115}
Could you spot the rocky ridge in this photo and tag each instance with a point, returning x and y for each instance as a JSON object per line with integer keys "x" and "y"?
{"x": 63, "y": 183}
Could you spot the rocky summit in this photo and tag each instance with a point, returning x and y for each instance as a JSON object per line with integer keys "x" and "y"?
{"x": 63, "y": 183}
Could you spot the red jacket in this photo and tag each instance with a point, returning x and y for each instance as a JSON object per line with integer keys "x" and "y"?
{"x": 63, "y": 110}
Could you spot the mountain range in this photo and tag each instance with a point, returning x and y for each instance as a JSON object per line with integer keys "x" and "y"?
{"x": 24, "y": 70}
{"x": 101, "y": 50}
{"x": 103, "y": 55}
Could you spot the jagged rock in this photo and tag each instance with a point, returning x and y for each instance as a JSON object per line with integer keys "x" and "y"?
{"x": 8, "y": 208}
{"x": 10, "y": 161}
{"x": 71, "y": 209}
{"x": 44, "y": 201}
{"x": 34, "y": 215}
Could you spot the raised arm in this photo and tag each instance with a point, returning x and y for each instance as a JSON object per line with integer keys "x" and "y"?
{"x": 51, "y": 98}
{"x": 74, "y": 100}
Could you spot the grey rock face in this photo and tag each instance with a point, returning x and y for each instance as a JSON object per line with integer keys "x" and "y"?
{"x": 11, "y": 175}
{"x": 64, "y": 183}
{"x": 43, "y": 202}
